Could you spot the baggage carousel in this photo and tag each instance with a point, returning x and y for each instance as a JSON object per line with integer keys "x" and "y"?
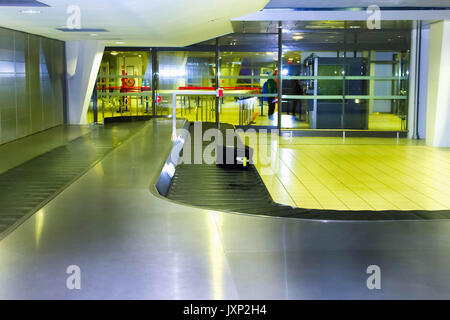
{"x": 242, "y": 190}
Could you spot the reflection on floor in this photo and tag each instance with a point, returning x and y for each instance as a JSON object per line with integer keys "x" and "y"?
{"x": 229, "y": 113}
{"x": 24, "y": 149}
{"x": 115, "y": 107}
{"x": 363, "y": 173}
{"x": 386, "y": 121}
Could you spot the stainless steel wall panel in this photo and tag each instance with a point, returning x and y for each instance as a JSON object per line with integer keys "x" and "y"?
{"x": 47, "y": 105}
{"x": 32, "y": 83}
{"x": 7, "y": 87}
{"x": 22, "y": 99}
{"x": 58, "y": 80}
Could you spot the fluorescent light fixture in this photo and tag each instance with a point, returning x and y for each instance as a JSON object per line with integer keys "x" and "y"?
{"x": 114, "y": 53}
{"x": 120, "y": 42}
{"x": 270, "y": 53}
{"x": 93, "y": 34}
{"x": 30, "y": 11}
{"x": 297, "y": 37}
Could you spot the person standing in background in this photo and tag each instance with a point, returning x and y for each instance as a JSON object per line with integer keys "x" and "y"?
{"x": 264, "y": 91}
{"x": 272, "y": 88}
{"x": 297, "y": 104}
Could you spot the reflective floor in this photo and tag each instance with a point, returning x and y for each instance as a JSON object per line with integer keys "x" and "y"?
{"x": 358, "y": 174}
{"x": 229, "y": 113}
{"x": 27, "y": 187}
{"x": 24, "y": 149}
{"x": 131, "y": 244}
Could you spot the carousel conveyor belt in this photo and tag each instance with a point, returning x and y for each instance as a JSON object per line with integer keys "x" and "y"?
{"x": 25, "y": 188}
{"x": 243, "y": 191}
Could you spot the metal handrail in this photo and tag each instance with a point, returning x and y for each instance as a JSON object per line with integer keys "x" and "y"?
{"x": 174, "y": 104}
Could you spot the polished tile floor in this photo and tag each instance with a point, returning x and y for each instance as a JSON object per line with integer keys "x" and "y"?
{"x": 131, "y": 243}
{"x": 358, "y": 174}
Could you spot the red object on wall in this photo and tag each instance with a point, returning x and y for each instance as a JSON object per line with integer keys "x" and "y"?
{"x": 129, "y": 83}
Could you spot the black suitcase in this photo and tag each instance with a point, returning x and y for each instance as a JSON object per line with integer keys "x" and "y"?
{"x": 236, "y": 156}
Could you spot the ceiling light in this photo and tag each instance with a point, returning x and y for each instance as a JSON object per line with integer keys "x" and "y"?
{"x": 114, "y": 53}
{"x": 120, "y": 42}
{"x": 29, "y": 11}
{"x": 297, "y": 37}
{"x": 355, "y": 27}
{"x": 93, "y": 34}
{"x": 270, "y": 53}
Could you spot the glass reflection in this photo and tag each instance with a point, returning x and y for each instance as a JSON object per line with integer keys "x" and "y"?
{"x": 123, "y": 86}
{"x": 335, "y": 75}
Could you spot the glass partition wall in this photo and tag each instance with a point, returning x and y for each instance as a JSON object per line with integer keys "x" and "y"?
{"x": 247, "y": 63}
{"x": 123, "y": 87}
{"x": 361, "y": 84}
{"x": 333, "y": 75}
{"x": 187, "y": 70}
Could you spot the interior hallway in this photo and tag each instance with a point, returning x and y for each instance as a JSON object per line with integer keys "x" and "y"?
{"x": 133, "y": 244}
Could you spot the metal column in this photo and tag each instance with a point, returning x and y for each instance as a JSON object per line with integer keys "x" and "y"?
{"x": 344, "y": 61}
{"x": 417, "y": 52}
{"x": 280, "y": 71}
{"x": 217, "y": 80}
{"x": 155, "y": 71}
{"x": 95, "y": 104}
